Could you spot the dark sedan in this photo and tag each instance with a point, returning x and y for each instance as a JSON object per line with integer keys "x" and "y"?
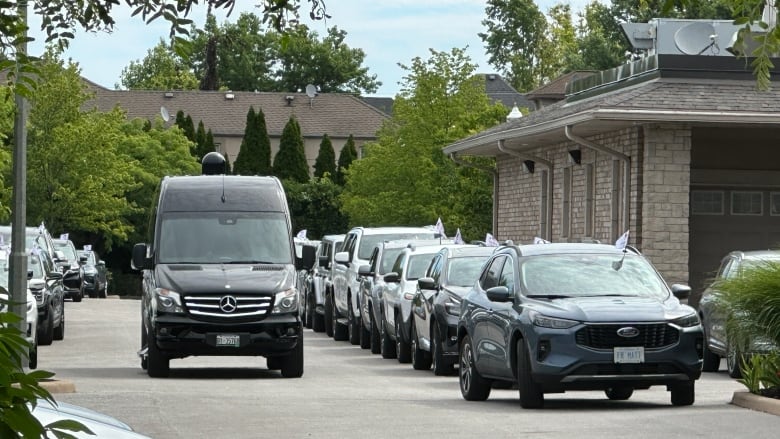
{"x": 436, "y": 306}
{"x": 559, "y": 317}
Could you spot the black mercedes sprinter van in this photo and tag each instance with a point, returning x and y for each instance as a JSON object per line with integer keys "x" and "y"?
{"x": 219, "y": 272}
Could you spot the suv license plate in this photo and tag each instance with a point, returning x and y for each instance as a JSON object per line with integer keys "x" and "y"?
{"x": 629, "y": 355}
{"x": 231, "y": 340}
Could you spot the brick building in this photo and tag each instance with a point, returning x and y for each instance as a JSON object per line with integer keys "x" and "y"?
{"x": 681, "y": 150}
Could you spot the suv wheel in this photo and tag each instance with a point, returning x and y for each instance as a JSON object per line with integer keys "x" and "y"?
{"x": 353, "y": 324}
{"x": 310, "y": 310}
{"x": 421, "y": 359}
{"x": 683, "y": 394}
{"x": 388, "y": 345}
{"x": 77, "y": 296}
{"x": 619, "y": 393}
{"x": 376, "y": 338}
{"x": 46, "y": 331}
{"x": 292, "y": 365}
{"x": 32, "y": 362}
{"x": 733, "y": 361}
{"x": 144, "y": 358}
{"x": 317, "y": 319}
{"x": 59, "y": 330}
{"x": 531, "y": 395}
{"x": 365, "y": 334}
{"x": 472, "y": 386}
{"x": 710, "y": 360}
{"x": 402, "y": 348}
{"x": 440, "y": 365}
{"x": 327, "y": 319}
{"x": 340, "y": 332}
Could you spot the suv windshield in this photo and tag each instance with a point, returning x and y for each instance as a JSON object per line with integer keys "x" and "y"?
{"x": 90, "y": 256}
{"x": 577, "y": 275}
{"x": 224, "y": 237}
{"x": 368, "y": 242}
{"x": 67, "y": 250}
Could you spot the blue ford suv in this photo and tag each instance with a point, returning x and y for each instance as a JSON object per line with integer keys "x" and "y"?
{"x": 557, "y": 317}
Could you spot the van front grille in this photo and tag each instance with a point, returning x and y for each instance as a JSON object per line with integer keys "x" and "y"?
{"x": 229, "y": 305}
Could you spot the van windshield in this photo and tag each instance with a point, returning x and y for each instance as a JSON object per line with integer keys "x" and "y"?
{"x": 224, "y": 237}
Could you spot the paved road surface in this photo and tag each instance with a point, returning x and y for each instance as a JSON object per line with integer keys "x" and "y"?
{"x": 348, "y": 393}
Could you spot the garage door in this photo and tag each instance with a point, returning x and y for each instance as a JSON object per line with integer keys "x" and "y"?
{"x": 726, "y": 219}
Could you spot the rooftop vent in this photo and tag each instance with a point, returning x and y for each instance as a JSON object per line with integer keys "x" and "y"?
{"x": 289, "y": 99}
{"x": 229, "y": 95}
{"x": 168, "y": 94}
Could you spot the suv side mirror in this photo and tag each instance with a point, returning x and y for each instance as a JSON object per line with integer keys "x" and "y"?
{"x": 139, "y": 260}
{"x": 681, "y": 291}
{"x": 364, "y": 270}
{"x": 342, "y": 258}
{"x": 59, "y": 256}
{"x": 83, "y": 259}
{"x": 54, "y": 275}
{"x": 499, "y": 294}
{"x": 323, "y": 261}
{"x": 29, "y": 274}
{"x": 392, "y": 277}
{"x": 426, "y": 283}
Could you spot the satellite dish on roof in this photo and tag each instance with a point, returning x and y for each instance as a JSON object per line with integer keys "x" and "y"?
{"x": 311, "y": 91}
{"x": 164, "y": 113}
{"x": 696, "y": 38}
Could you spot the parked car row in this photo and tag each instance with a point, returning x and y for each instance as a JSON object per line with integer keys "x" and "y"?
{"x": 542, "y": 318}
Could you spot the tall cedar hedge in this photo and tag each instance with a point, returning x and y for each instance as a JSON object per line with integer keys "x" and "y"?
{"x": 326, "y": 159}
{"x": 290, "y": 162}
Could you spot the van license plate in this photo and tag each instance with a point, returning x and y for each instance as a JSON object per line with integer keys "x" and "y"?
{"x": 231, "y": 340}
{"x": 630, "y": 355}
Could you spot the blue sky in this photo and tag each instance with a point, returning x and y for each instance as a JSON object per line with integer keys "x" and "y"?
{"x": 388, "y": 31}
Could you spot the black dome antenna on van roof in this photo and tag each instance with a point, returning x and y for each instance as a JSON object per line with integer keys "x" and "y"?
{"x": 214, "y": 163}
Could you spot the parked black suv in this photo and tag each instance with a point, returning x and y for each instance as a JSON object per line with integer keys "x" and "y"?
{"x": 95, "y": 280}
{"x": 436, "y": 306}
{"x": 558, "y": 317}
{"x": 72, "y": 272}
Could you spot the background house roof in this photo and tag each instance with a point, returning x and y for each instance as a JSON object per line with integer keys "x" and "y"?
{"x": 335, "y": 114}
{"x": 499, "y": 90}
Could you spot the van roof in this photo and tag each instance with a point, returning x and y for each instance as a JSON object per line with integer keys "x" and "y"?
{"x": 222, "y": 193}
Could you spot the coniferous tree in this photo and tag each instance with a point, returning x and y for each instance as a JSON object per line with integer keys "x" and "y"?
{"x": 246, "y": 161}
{"x": 189, "y": 128}
{"x": 180, "y": 119}
{"x": 347, "y": 155}
{"x": 208, "y": 145}
{"x": 228, "y": 168}
{"x": 200, "y": 141}
{"x": 263, "y": 145}
{"x": 290, "y": 162}
{"x": 326, "y": 159}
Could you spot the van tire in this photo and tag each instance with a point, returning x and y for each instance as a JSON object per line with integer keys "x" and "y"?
{"x": 46, "y": 332}
{"x": 327, "y": 318}
{"x": 340, "y": 332}
{"x": 59, "y": 330}
{"x": 292, "y": 365}
{"x": 353, "y": 325}
{"x": 158, "y": 366}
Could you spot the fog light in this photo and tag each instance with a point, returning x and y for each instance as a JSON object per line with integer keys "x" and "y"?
{"x": 542, "y": 350}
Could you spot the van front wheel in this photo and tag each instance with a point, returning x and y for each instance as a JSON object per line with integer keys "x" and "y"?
{"x": 292, "y": 365}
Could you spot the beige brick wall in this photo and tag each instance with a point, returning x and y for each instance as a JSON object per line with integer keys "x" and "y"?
{"x": 659, "y": 186}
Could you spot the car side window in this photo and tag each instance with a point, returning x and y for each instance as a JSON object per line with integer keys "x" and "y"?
{"x": 434, "y": 270}
{"x": 507, "y": 278}
{"x": 398, "y": 265}
{"x": 372, "y": 260}
{"x": 491, "y": 275}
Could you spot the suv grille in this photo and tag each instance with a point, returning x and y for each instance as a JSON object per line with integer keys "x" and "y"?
{"x": 651, "y": 336}
{"x": 244, "y": 305}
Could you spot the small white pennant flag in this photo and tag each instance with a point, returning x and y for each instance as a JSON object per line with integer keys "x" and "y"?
{"x": 301, "y": 234}
{"x": 622, "y": 242}
{"x": 490, "y": 241}
{"x": 440, "y": 228}
{"x": 88, "y": 247}
{"x": 538, "y": 240}
{"x": 64, "y": 236}
{"x": 458, "y": 238}
{"x": 41, "y": 228}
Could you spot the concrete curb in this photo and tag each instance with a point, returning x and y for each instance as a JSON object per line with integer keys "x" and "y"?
{"x": 756, "y": 402}
{"x": 58, "y": 386}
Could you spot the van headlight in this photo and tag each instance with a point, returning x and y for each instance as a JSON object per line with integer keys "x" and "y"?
{"x": 286, "y": 301}
{"x": 168, "y": 301}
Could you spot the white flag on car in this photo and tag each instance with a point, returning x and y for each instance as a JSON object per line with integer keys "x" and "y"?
{"x": 458, "y": 238}
{"x": 301, "y": 234}
{"x": 622, "y": 242}
{"x": 440, "y": 228}
{"x": 64, "y": 236}
{"x": 538, "y": 240}
{"x": 490, "y": 241}
{"x": 88, "y": 247}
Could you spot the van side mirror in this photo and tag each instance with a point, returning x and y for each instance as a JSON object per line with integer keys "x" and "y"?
{"x": 139, "y": 260}
{"x": 308, "y": 256}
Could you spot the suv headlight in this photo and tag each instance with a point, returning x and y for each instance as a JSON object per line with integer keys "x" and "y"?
{"x": 687, "y": 321}
{"x": 551, "y": 322}
{"x": 452, "y": 305}
{"x": 286, "y": 301}
{"x": 168, "y": 301}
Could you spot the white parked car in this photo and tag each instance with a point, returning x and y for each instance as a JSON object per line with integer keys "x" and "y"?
{"x": 32, "y": 312}
{"x": 101, "y": 425}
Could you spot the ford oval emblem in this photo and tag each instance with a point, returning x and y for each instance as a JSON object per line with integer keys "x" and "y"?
{"x": 628, "y": 332}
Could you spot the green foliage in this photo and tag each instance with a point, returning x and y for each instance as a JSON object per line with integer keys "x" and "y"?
{"x": 290, "y": 162}
{"x": 325, "y": 164}
{"x": 161, "y": 69}
{"x": 761, "y": 371}
{"x": 254, "y": 155}
{"x": 347, "y": 155}
{"x": 20, "y": 390}
{"x": 315, "y": 206}
{"x": 200, "y": 140}
{"x": 403, "y": 178}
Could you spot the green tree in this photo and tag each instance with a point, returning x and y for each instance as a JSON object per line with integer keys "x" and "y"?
{"x": 403, "y": 177}
{"x": 290, "y": 161}
{"x": 254, "y": 155}
{"x": 208, "y": 144}
{"x": 161, "y": 69}
{"x": 315, "y": 206}
{"x": 516, "y": 33}
{"x": 200, "y": 140}
{"x": 347, "y": 155}
{"x": 329, "y": 64}
{"x": 325, "y": 164}
{"x": 189, "y": 129}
